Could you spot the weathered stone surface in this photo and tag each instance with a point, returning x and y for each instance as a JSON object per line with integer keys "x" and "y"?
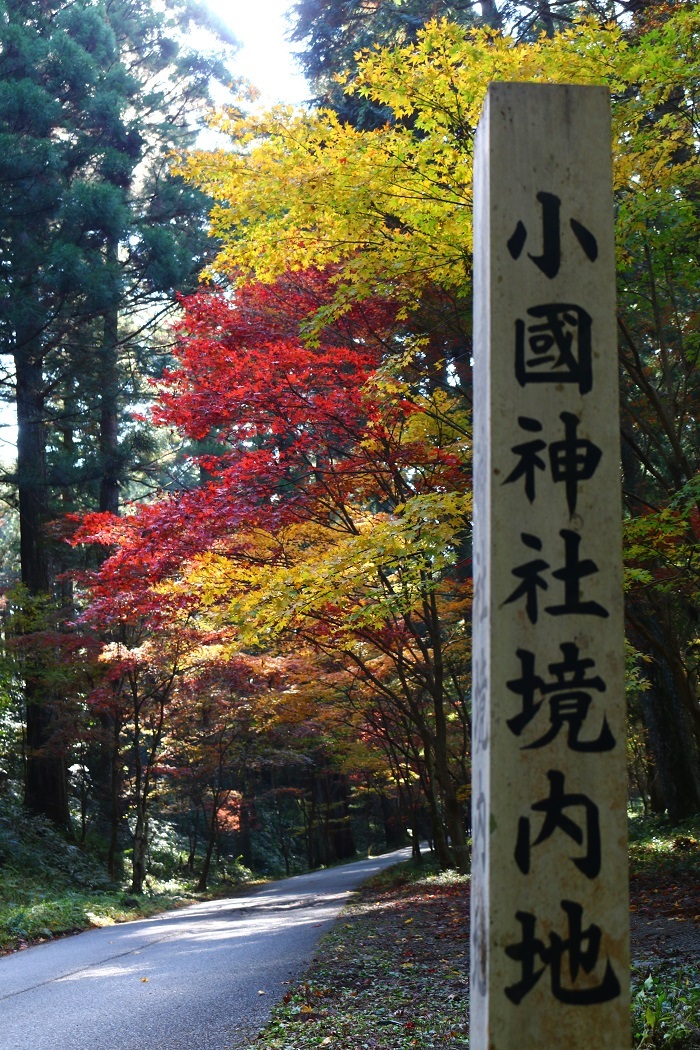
{"x": 550, "y": 956}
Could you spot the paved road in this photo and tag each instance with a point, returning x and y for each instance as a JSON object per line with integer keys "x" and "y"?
{"x": 185, "y": 980}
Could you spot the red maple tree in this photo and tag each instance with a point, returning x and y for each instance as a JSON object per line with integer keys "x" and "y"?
{"x": 297, "y": 431}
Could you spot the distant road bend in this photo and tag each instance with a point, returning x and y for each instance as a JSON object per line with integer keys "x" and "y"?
{"x": 202, "y": 978}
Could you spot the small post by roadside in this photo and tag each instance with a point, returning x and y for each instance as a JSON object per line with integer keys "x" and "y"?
{"x": 550, "y": 917}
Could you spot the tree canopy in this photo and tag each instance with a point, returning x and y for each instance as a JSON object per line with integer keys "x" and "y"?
{"x": 389, "y": 209}
{"x": 304, "y": 591}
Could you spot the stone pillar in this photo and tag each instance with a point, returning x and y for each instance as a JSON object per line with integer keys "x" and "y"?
{"x": 550, "y": 924}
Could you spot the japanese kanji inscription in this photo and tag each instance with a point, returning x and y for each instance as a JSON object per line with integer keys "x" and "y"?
{"x": 550, "y": 955}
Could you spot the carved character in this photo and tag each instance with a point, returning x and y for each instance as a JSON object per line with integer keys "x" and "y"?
{"x": 565, "y": 957}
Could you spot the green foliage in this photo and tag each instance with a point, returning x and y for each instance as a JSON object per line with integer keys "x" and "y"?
{"x": 334, "y": 35}
{"x": 266, "y": 845}
{"x": 37, "y": 910}
{"x": 34, "y": 848}
{"x": 666, "y": 1009}
{"x": 660, "y": 848}
{"x": 11, "y": 720}
{"x": 97, "y": 235}
{"x": 46, "y": 883}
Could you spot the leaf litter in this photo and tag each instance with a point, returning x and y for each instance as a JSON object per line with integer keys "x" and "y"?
{"x": 394, "y": 972}
{"x": 392, "y": 975}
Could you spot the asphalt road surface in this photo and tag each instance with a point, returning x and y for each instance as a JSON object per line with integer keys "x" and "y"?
{"x": 202, "y": 978}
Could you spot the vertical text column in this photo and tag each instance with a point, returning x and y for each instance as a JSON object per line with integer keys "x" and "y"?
{"x": 550, "y": 953}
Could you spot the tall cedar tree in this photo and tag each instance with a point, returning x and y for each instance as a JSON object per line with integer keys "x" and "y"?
{"x": 333, "y": 35}
{"x": 92, "y": 97}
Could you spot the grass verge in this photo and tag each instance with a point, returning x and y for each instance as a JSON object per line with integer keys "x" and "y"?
{"x": 32, "y": 912}
{"x": 666, "y": 1008}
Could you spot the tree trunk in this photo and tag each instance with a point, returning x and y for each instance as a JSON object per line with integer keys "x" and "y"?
{"x": 194, "y": 835}
{"x": 140, "y": 854}
{"x": 141, "y": 786}
{"x": 281, "y": 830}
{"x": 109, "y": 415}
{"x": 103, "y": 771}
{"x": 491, "y": 14}
{"x": 341, "y": 833}
{"x": 436, "y": 825}
{"x": 46, "y": 790}
{"x": 670, "y": 737}
{"x": 307, "y": 831}
{"x": 454, "y": 815}
{"x": 244, "y": 846}
{"x": 416, "y": 854}
{"x": 313, "y": 855}
{"x": 204, "y": 875}
{"x": 115, "y": 780}
{"x": 670, "y": 711}
{"x": 391, "y": 820}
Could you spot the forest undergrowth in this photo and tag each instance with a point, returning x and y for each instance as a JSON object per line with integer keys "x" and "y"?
{"x": 50, "y": 887}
